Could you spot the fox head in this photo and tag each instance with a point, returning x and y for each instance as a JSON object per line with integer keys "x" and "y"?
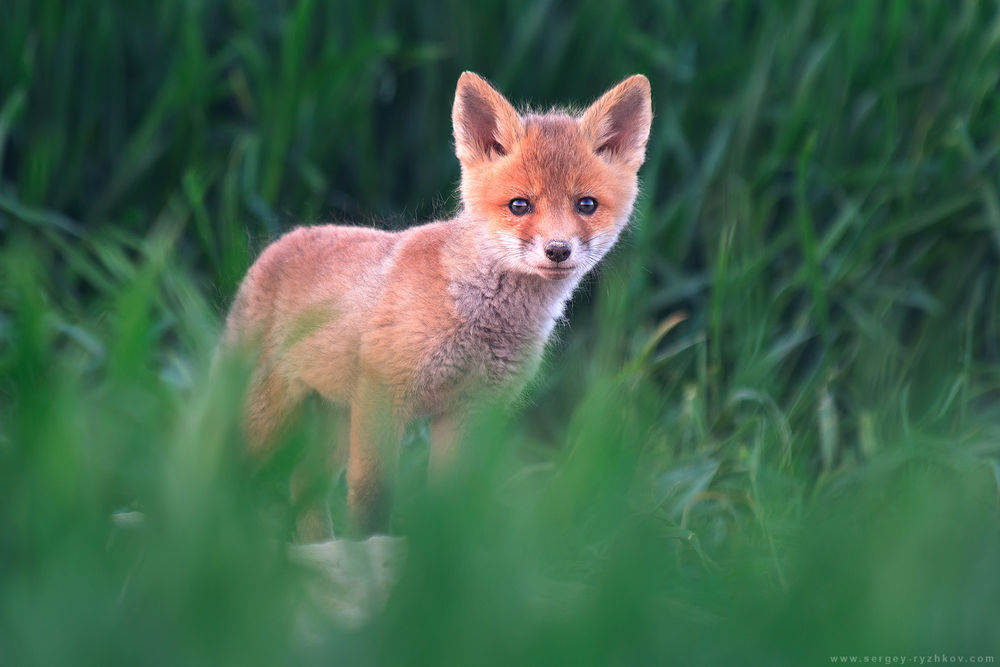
{"x": 551, "y": 191}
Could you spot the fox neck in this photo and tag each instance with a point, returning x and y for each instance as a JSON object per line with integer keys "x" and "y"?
{"x": 499, "y": 300}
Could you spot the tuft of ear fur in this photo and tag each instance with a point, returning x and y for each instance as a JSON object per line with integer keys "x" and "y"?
{"x": 618, "y": 123}
{"x": 486, "y": 125}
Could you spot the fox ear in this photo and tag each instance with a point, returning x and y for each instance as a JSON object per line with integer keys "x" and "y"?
{"x": 618, "y": 123}
{"x": 486, "y": 125}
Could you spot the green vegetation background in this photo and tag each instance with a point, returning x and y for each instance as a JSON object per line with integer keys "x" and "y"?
{"x": 806, "y": 466}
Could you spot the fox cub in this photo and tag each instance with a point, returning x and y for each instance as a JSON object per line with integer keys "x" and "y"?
{"x": 425, "y": 321}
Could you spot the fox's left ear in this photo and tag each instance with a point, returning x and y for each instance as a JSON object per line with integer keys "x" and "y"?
{"x": 618, "y": 123}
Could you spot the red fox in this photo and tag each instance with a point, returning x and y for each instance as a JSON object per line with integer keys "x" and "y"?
{"x": 425, "y": 321}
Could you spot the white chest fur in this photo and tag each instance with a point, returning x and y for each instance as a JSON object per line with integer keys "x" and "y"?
{"x": 504, "y": 321}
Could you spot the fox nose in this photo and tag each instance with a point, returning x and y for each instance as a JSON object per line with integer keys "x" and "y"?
{"x": 557, "y": 251}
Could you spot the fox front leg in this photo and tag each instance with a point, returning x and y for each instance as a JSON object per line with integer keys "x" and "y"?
{"x": 376, "y": 430}
{"x": 447, "y": 430}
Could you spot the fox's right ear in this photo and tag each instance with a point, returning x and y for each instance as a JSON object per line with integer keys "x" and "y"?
{"x": 486, "y": 125}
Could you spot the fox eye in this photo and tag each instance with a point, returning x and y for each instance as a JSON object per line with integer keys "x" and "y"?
{"x": 519, "y": 206}
{"x": 586, "y": 205}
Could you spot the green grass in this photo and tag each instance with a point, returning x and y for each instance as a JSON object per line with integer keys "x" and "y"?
{"x": 807, "y": 465}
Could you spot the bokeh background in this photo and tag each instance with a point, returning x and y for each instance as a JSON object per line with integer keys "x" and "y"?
{"x": 768, "y": 434}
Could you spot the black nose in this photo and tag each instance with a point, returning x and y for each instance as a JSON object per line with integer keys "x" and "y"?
{"x": 557, "y": 251}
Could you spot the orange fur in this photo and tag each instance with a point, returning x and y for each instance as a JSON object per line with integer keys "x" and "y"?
{"x": 422, "y": 322}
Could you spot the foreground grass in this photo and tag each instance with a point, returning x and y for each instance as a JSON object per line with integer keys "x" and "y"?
{"x": 614, "y": 546}
{"x": 804, "y": 466}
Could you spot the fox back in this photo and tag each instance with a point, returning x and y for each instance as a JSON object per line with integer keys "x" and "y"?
{"x": 426, "y": 321}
